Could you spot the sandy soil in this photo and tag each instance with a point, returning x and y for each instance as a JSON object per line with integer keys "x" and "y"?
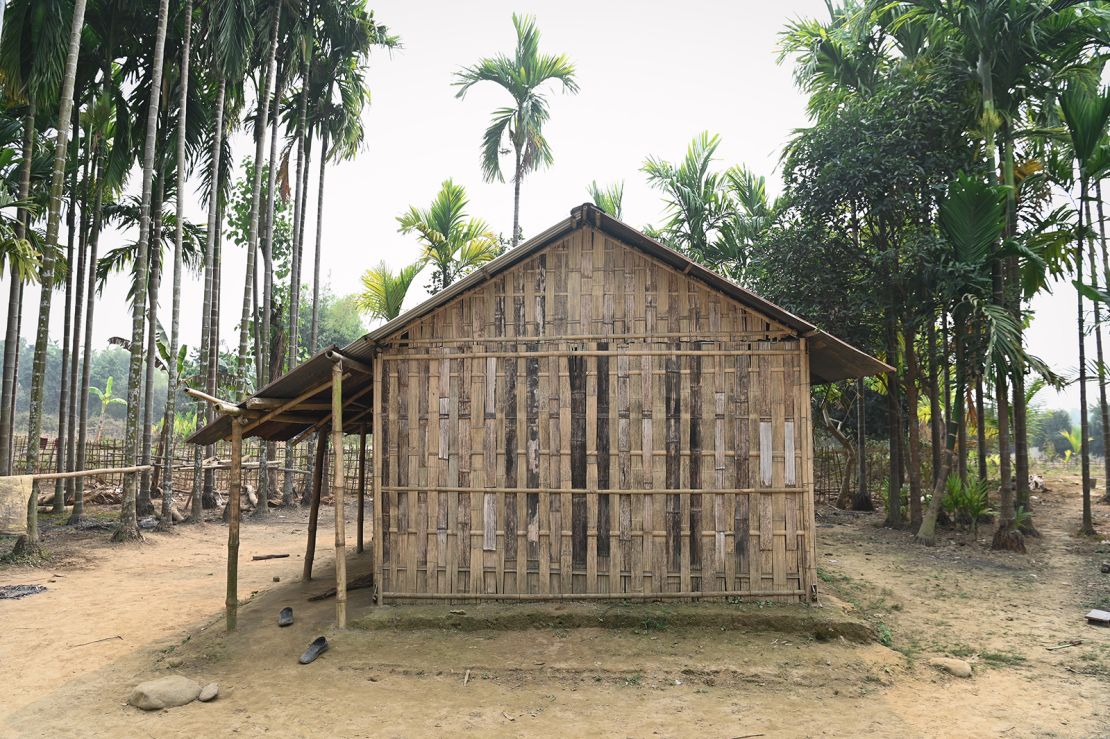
{"x": 163, "y": 599}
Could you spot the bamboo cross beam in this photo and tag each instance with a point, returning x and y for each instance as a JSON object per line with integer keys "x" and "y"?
{"x": 327, "y": 419}
{"x": 352, "y": 363}
{"x": 222, "y": 406}
{"x": 90, "y": 473}
{"x": 289, "y": 404}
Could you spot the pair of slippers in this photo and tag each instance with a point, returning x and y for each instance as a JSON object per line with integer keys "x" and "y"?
{"x": 318, "y": 646}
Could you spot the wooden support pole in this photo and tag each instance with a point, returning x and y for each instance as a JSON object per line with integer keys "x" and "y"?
{"x": 339, "y": 485}
{"x": 361, "y": 485}
{"x": 314, "y": 509}
{"x": 235, "y": 485}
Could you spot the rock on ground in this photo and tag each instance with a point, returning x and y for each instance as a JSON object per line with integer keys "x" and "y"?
{"x": 164, "y": 692}
{"x": 956, "y": 667}
{"x": 208, "y": 692}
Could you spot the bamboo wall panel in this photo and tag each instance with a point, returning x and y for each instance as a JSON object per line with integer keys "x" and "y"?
{"x": 592, "y": 422}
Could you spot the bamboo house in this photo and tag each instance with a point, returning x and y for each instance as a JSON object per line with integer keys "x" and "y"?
{"x": 591, "y": 415}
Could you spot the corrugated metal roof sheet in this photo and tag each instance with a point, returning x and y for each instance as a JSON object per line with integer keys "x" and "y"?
{"x": 830, "y": 358}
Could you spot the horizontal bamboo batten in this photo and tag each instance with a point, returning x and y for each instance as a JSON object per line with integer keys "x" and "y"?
{"x": 692, "y": 595}
{"x": 592, "y": 424}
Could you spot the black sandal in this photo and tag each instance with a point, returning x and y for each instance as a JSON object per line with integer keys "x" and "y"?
{"x": 315, "y": 649}
{"x": 285, "y": 618}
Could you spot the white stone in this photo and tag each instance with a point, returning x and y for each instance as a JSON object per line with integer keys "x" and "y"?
{"x": 956, "y": 667}
{"x": 164, "y": 692}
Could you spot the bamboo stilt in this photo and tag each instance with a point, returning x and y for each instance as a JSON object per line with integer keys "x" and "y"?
{"x": 339, "y": 485}
{"x": 314, "y": 510}
{"x": 361, "y": 485}
{"x": 235, "y": 485}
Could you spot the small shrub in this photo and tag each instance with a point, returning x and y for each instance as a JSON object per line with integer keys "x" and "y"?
{"x": 968, "y": 502}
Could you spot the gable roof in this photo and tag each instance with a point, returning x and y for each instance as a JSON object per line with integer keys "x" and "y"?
{"x": 830, "y": 359}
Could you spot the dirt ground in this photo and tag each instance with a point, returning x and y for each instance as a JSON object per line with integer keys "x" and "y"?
{"x": 114, "y": 615}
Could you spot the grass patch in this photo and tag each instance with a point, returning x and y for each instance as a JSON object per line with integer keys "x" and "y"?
{"x": 831, "y": 577}
{"x": 1001, "y": 659}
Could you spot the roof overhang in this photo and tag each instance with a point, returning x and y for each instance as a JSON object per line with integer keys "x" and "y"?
{"x": 830, "y": 359}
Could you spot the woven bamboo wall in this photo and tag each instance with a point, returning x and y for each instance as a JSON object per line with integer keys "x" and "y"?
{"x": 593, "y": 423}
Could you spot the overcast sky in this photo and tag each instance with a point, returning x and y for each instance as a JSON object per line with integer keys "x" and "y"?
{"x": 652, "y": 75}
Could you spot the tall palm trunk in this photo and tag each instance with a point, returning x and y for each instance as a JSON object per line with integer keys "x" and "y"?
{"x": 287, "y": 497}
{"x": 175, "y": 309}
{"x": 256, "y": 195}
{"x": 980, "y": 427}
{"x": 861, "y": 501}
{"x": 1006, "y": 536}
{"x": 315, "y": 333}
{"x": 518, "y": 175}
{"x": 936, "y": 428}
{"x": 15, "y": 304}
{"x": 914, "y": 448}
{"x": 1102, "y": 380}
{"x": 78, "y": 314}
{"x": 207, "y": 337}
{"x": 927, "y": 532}
{"x": 129, "y": 525}
{"x": 268, "y": 448}
{"x": 1104, "y": 415}
{"x": 894, "y": 410}
{"x": 1087, "y": 526}
{"x": 1020, "y": 436}
{"x": 28, "y": 544}
{"x": 86, "y": 362}
{"x": 145, "y": 505}
{"x": 67, "y": 320}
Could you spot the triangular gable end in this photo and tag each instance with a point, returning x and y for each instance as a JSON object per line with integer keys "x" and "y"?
{"x": 590, "y": 286}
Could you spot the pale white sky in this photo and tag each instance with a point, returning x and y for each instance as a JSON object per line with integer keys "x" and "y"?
{"x": 652, "y": 75}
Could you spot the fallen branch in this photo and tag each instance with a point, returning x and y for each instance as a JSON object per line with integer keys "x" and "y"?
{"x": 1065, "y": 645}
{"x": 259, "y": 557}
{"x": 96, "y": 641}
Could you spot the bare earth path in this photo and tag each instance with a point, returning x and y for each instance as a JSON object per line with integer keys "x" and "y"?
{"x": 164, "y": 599}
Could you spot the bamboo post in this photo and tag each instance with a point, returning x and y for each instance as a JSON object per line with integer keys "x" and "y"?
{"x": 231, "y": 604}
{"x": 361, "y": 484}
{"x": 339, "y": 486}
{"x": 314, "y": 510}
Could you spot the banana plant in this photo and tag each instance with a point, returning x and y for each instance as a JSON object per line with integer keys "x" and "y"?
{"x": 107, "y": 400}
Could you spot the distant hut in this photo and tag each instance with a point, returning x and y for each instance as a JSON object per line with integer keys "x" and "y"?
{"x": 591, "y": 415}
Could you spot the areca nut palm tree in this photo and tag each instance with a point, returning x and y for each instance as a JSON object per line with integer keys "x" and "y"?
{"x": 609, "y": 198}
{"x": 128, "y": 527}
{"x": 524, "y": 76}
{"x": 383, "y": 290}
{"x": 452, "y": 242}
{"x": 1086, "y": 113}
{"x": 28, "y": 544}
{"x": 178, "y": 259}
